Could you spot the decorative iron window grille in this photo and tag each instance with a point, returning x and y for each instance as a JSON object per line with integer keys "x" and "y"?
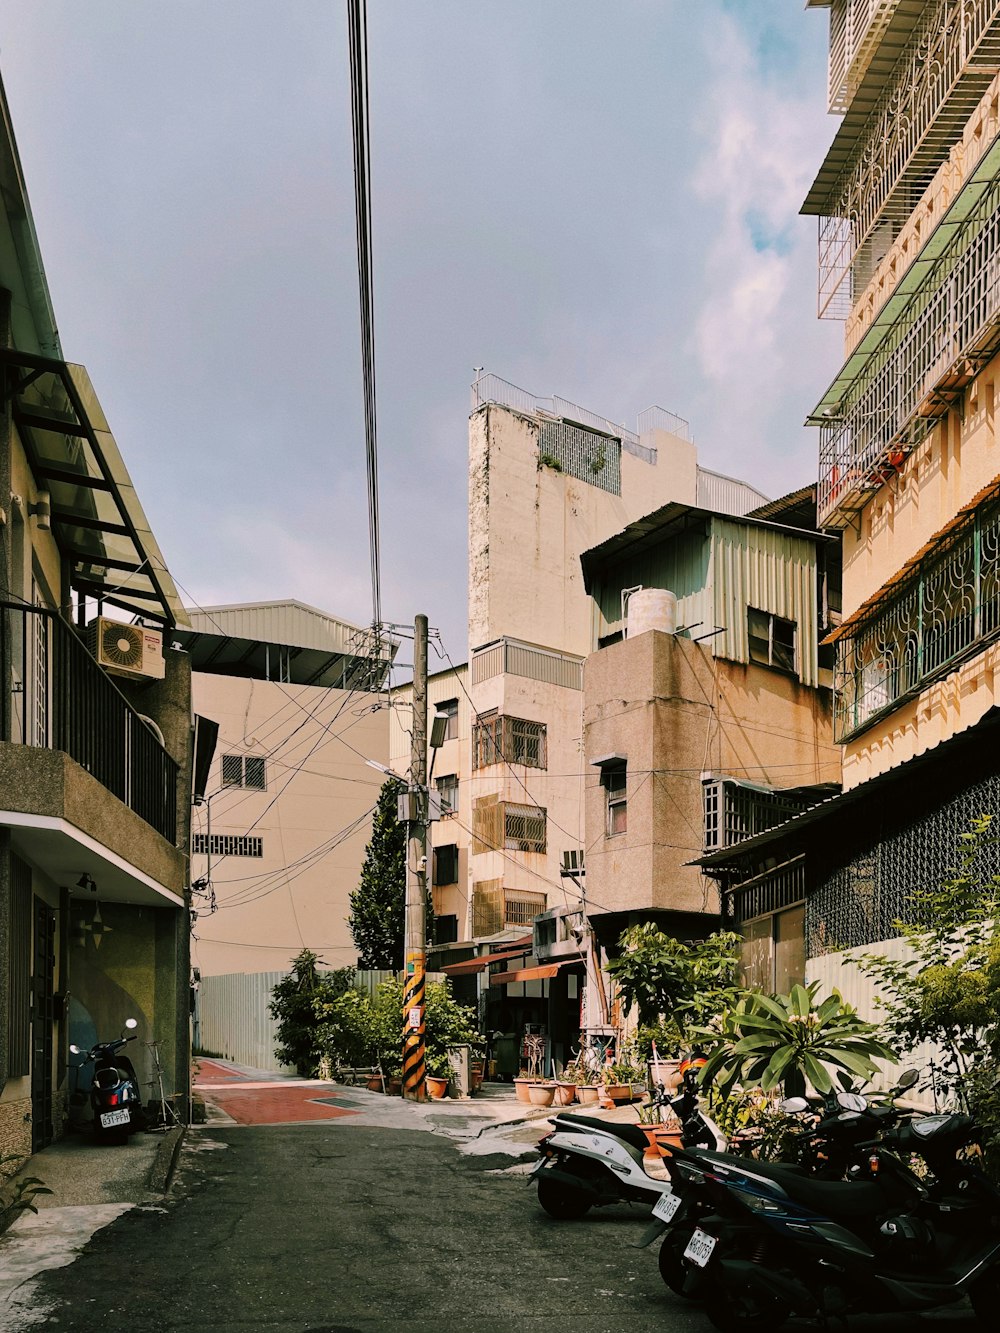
{"x": 944, "y": 325}
{"x": 735, "y": 810}
{"x": 859, "y": 902}
{"x": 585, "y": 454}
{"x": 771, "y": 891}
{"x": 521, "y": 908}
{"x": 945, "y": 609}
{"x": 494, "y": 907}
{"x": 227, "y": 844}
{"x": 497, "y": 739}
{"x": 244, "y": 770}
{"x": 524, "y": 828}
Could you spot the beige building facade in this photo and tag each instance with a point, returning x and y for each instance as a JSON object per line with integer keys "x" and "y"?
{"x": 279, "y": 840}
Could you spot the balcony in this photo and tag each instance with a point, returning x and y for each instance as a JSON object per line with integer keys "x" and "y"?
{"x": 737, "y": 810}
{"x": 58, "y": 698}
{"x": 944, "y": 608}
{"x": 924, "y": 347}
{"x": 495, "y": 908}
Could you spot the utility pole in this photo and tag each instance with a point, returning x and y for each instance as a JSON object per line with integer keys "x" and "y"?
{"x": 415, "y": 936}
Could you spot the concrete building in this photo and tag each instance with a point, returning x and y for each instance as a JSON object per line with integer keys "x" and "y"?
{"x": 95, "y": 727}
{"x": 279, "y": 840}
{"x": 908, "y": 202}
{"x": 706, "y": 709}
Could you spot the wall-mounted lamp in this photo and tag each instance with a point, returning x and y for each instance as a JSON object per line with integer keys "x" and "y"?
{"x": 87, "y": 882}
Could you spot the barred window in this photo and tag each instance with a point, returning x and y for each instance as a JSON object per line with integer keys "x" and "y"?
{"x": 227, "y": 844}
{"x": 512, "y": 740}
{"x": 244, "y": 770}
{"x": 524, "y": 828}
{"x": 771, "y": 640}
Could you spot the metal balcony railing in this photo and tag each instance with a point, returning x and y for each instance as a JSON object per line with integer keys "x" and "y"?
{"x": 58, "y": 698}
{"x": 940, "y": 325}
{"x": 735, "y": 810}
{"x": 948, "y": 62}
{"x": 945, "y": 609}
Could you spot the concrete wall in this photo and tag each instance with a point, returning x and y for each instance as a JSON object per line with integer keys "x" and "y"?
{"x": 676, "y": 714}
{"x": 297, "y": 893}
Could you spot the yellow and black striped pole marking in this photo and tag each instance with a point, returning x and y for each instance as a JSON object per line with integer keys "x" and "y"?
{"x": 413, "y": 1028}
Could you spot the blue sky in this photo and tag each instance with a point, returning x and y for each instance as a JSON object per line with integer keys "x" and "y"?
{"x": 594, "y": 201}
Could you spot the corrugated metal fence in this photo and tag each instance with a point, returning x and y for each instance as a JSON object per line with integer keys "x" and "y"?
{"x": 231, "y": 1017}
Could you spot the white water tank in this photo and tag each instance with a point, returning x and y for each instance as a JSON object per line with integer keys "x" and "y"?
{"x": 651, "y": 608}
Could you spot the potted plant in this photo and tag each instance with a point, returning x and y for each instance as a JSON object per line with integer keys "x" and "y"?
{"x": 439, "y": 1071}
{"x": 659, "y": 1123}
{"x": 790, "y": 1039}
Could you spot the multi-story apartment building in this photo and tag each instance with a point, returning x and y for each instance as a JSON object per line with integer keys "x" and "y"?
{"x": 277, "y": 843}
{"x": 95, "y": 726}
{"x": 908, "y": 201}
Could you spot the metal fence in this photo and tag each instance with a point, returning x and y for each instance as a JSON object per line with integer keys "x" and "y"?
{"x": 232, "y": 1021}
{"x": 60, "y": 699}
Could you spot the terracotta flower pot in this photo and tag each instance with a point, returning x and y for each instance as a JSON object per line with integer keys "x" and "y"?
{"x": 666, "y": 1133}
{"x": 541, "y": 1094}
{"x": 436, "y": 1087}
{"x": 565, "y": 1094}
{"x": 395, "y": 1086}
{"x": 521, "y": 1086}
{"x": 588, "y": 1093}
{"x": 375, "y": 1083}
{"x": 618, "y": 1092}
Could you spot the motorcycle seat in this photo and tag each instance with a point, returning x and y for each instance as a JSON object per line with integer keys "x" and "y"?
{"x": 835, "y": 1198}
{"x": 630, "y": 1134}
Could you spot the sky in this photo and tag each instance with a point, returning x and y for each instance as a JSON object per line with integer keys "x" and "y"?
{"x": 593, "y": 200}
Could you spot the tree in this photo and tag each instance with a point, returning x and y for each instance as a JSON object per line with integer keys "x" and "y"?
{"x": 376, "y": 919}
{"x": 293, "y": 1005}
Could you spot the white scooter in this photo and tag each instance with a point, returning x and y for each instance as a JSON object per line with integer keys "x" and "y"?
{"x": 586, "y": 1162}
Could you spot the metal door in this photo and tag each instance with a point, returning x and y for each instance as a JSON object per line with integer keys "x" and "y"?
{"x": 42, "y": 1025}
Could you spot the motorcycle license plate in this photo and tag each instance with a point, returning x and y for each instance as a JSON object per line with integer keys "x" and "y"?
{"x": 666, "y": 1207}
{"x": 700, "y": 1247}
{"x": 109, "y": 1118}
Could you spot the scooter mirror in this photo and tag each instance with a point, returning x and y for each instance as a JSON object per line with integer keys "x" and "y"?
{"x": 75, "y": 1050}
{"x": 792, "y": 1105}
{"x": 851, "y": 1101}
{"x": 131, "y": 1023}
{"x": 907, "y": 1079}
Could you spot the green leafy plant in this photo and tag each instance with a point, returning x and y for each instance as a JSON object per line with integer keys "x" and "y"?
{"x": 677, "y": 984}
{"x": 549, "y": 460}
{"x": 376, "y": 919}
{"x": 17, "y": 1196}
{"x": 293, "y": 1005}
{"x": 948, "y": 991}
{"x": 766, "y": 1040}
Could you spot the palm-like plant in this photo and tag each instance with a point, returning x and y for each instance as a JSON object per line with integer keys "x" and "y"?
{"x": 769, "y": 1039}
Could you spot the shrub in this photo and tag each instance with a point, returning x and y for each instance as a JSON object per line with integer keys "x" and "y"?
{"x": 293, "y": 1004}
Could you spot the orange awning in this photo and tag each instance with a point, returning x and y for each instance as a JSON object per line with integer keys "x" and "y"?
{"x": 516, "y": 950}
{"x": 532, "y": 973}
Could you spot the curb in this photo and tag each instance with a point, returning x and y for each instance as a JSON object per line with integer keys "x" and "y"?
{"x": 162, "y": 1170}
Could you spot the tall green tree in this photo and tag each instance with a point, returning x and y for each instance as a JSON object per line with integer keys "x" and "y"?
{"x": 376, "y": 919}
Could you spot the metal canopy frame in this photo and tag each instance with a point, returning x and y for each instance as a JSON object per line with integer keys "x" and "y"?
{"x": 96, "y": 518}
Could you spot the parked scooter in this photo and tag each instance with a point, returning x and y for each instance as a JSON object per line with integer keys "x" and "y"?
{"x": 586, "y": 1162}
{"x": 114, "y": 1092}
{"x": 782, "y": 1243}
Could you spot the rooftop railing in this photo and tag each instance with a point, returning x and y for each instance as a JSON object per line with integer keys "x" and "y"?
{"x": 60, "y": 699}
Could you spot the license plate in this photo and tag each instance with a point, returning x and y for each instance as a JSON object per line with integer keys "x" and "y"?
{"x": 109, "y": 1118}
{"x": 700, "y": 1247}
{"x": 666, "y": 1207}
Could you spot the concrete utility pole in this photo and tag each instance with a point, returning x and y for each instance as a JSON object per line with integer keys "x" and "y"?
{"x": 415, "y": 940}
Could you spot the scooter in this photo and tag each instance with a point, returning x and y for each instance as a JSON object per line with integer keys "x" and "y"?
{"x": 114, "y": 1092}
{"x": 783, "y": 1243}
{"x": 585, "y": 1162}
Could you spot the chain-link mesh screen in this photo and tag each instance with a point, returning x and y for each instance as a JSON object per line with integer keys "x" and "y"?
{"x": 583, "y": 454}
{"x": 857, "y": 903}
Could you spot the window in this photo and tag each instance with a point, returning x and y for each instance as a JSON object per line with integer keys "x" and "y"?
{"x": 615, "y": 781}
{"x": 774, "y": 951}
{"x": 449, "y": 708}
{"x": 523, "y": 828}
{"x": 227, "y": 844}
{"x": 448, "y": 791}
{"x": 771, "y": 640}
{"x": 512, "y": 740}
{"x": 446, "y": 864}
{"x": 244, "y": 770}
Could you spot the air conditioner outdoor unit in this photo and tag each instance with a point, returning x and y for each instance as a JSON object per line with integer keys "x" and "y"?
{"x": 127, "y": 650}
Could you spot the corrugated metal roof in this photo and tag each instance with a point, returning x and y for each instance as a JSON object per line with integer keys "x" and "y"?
{"x": 286, "y": 622}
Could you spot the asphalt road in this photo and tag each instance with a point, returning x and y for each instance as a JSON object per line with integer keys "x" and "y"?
{"x": 336, "y": 1227}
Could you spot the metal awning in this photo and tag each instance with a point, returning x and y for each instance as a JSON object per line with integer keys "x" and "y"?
{"x": 541, "y": 973}
{"x": 96, "y": 518}
{"x": 470, "y": 965}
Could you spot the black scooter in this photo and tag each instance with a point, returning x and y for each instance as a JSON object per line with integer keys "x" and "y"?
{"x": 114, "y": 1092}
